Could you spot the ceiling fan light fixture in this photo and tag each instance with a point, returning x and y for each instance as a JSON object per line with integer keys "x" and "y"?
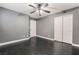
{"x": 37, "y": 11}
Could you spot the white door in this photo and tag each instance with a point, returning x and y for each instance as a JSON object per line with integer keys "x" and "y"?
{"x": 32, "y": 27}
{"x": 58, "y": 28}
{"x": 67, "y": 28}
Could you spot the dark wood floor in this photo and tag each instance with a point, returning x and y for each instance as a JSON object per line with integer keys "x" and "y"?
{"x": 39, "y": 46}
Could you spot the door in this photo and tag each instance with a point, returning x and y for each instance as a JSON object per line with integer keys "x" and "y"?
{"x": 32, "y": 27}
{"x": 58, "y": 28}
{"x": 67, "y": 28}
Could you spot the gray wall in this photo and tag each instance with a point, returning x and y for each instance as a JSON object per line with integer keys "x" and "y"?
{"x": 44, "y": 27}
{"x": 76, "y": 26}
{"x": 13, "y": 25}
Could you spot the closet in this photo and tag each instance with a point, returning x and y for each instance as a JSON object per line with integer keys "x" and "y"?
{"x": 63, "y": 28}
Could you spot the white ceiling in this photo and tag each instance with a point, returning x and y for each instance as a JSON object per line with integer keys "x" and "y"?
{"x": 24, "y": 8}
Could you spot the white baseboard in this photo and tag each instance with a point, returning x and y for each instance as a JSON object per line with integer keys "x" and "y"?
{"x": 33, "y": 36}
{"x": 15, "y": 41}
{"x": 19, "y": 40}
{"x": 45, "y": 37}
{"x": 75, "y": 45}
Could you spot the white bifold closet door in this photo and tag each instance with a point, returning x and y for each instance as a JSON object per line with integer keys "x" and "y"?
{"x": 58, "y": 28}
{"x": 63, "y": 28}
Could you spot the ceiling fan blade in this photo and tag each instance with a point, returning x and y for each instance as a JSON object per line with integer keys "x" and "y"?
{"x": 33, "y": 11}
{"x": 46, "y": 11}
{"x": 31, "y": 6}
{"x": 45, "y": 5}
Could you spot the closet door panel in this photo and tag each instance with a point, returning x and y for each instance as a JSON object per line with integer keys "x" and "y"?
{"x": 67, "y": 28}
{"x": 58, "y": 28}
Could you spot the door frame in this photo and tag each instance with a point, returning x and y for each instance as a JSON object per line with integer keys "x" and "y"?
{"x": 32, "y": 27}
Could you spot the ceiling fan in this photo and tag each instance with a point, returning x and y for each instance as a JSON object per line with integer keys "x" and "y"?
{"x": 38, "y": 8}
